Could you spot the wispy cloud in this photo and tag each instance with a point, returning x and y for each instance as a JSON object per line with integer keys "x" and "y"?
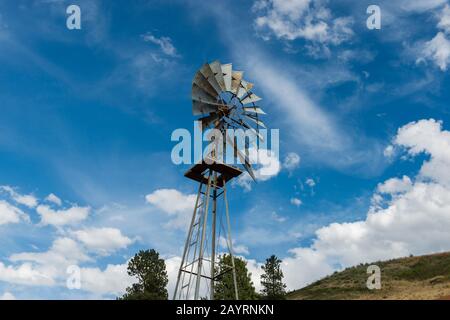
{"x": 164, "y": 43}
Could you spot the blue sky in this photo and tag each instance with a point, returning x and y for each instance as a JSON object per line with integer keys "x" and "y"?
{"x": 86, "y": 116}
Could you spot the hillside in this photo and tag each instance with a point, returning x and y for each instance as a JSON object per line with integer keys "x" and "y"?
{"x": 423, "y": 277}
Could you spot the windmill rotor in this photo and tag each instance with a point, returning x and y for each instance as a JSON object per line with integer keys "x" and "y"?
{"x": 226, "y": 101}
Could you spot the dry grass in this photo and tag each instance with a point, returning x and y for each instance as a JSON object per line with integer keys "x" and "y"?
{"x": 412, "y": 278}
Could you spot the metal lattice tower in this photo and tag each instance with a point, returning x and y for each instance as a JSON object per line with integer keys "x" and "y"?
{"x": 221, "y": 93}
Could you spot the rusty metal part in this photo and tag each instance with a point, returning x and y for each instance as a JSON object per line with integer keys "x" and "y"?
{"x": 227, "y": 70}
{"x": 209, "y": 75}
{"x": 236, "y": 77}
{"x": 216, "y": 68}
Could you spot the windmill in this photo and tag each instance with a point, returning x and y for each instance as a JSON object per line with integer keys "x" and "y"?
{"x": 224, "y": 100}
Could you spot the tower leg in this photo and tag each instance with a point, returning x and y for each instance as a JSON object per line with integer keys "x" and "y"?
{"x": 230, "y": 242}
{"x": 194, "y": 279}
{"x": 213, "y": 245}
{"x": 202, "y": 240}
{"x": 188, "y": 240}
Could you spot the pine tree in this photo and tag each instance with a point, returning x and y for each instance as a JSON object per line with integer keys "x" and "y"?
{"x": 151, "y": 274}
{"x": 272, "y": 279}
{"x": 224, "y": 287}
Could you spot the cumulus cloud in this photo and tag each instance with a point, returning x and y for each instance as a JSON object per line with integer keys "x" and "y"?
{"x": 177, "y": 205}
{"x": 70, "y": 248}
{"x": 237, "y": 248}
{"x": 428, "y": 137}
{"x": 437, "y": 50}
{"x": 310, "y": 182}
{"x": 301, "y": 19}
{"x": 291, "y": 161}
{"x": 49, "y": 268}
{"x": 415, "y": 219}
{"x": 395, "y": 185}
{"x": 11, "y": 214}
{"x": 266, "y": 166}
{"x": 63, "y": 252}
{"x": 7, "y": 296}
{"x": 102, "y": 240}
{"x": 113, "y": 280}
{"x": 27, "y": 200}
{"x": 53, "y": 199}
{"x": 389, "y": 151}
{"x": 296, "y": 202}
{"x": 62, "y": 217}
{"x": 24, "y": 274}
{"x": 444, "y": 19}
{"x": 172, "y": 267}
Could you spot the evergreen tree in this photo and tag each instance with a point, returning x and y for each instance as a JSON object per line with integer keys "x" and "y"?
{"x": 224, "y": 287}
{"x": 150, "y": 271}
{"x": 272, "y": 279}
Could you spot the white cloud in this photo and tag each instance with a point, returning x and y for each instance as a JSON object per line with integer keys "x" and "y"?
{"x": 301, "y": 19}
{"x": 26, "y": 200}
{"x": 296, "y": 202}
{"x": 50, "y": 267}
{"x": 237, "y": 248}
{"x": 276, "y": 217}
{"x": 310, "y": 182}
{"x": 62, "y": 217}
{"x": 291, "y": 161}
{"x": 165, "y": 44}
{"x": 175, "y": 204}
{"x": 414, "y": 221}
{"x": 113, "y": 280}
{"x": 389, "y": 151}
{"x": 395, "y": 185}
{"x": 437, "y": 50}
{"x": 254, "y": 268}
{"x": 63, "y": 252}
{"x": 172, "y": 267}
{"x": 71, "y": 247}
{"x": 11, "y": 214}
{"x": 24, "y": 274}
{"x": 7, "y": 296}
{"x": 427, "y": 136}
{"x": 444, "y": 19}
{"x": 54, "y": 199}
{"x": 102, "y": 240}
{"x": 420, "y": 5}
{"x": 266, "y": 166}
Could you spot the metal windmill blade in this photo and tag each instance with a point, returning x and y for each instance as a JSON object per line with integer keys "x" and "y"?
{"x": 236, "y": 78}
{"x": 242, "y": 157}
{"x": 216, "y": 68}
{"x": 256, "y": 120}
{"x": 223, "y": 111}
{"x": 250, "y": 98}
{"x": 244, "y": 88}
{"x": 254, "y": 110}
{"x": 227, "y": 70}
{"x": 209, "y": 76}
{"x": 203, "y": 83}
